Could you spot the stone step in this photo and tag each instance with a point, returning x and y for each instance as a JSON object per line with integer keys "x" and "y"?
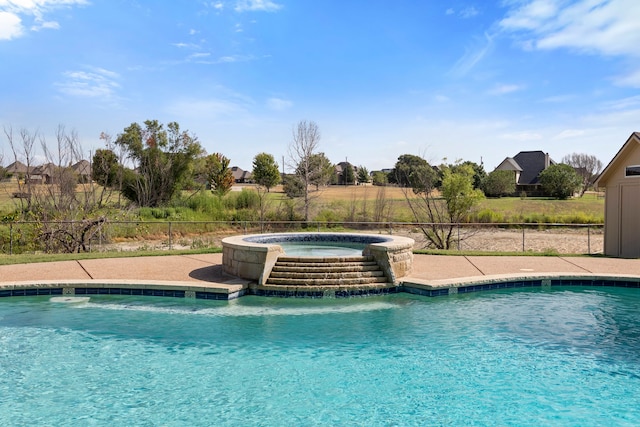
{"x": 325, "y": 260}
{"x": 338, "y": 271}
{"x": 326, "y": 282}
{"x": 300, "y": 268}
{"x": 326, "y": 274}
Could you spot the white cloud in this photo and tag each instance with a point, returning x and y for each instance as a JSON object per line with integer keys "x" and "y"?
{"x": 522, "y": 136}
{"x": 469, "y": 12}
{"x": 198, "y": 55}
{"x": 569, "y": 134}
{"x": 92, "y": 83}
{"x": 13, "y": 14}
{"x": 257, "y": 6}
{"x": 503, "y": 89}
{"x": 558, "y": 99}
{"x": 279, "y": 104}
{"x": 472, "y": 57}
{"x": 630, "y": 80}
{"x": 47, "y": 25}
{"x": 205, "y": 108}
{"x": 631, "y": 102}
{"x": 10, "y": 26}
{"x": 606, "y": 27}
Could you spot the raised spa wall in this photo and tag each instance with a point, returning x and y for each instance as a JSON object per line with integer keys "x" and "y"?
{"x": 247, "y": 257}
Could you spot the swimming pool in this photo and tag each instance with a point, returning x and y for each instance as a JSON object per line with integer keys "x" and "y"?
{"x": 561, "y": 356}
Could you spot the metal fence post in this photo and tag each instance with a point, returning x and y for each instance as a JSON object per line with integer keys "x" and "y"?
{"x": 523, "y": 228}
{"x": 170, "y": 240}
{"x": 589, "y": 239}
{"x": 11, "y": 239}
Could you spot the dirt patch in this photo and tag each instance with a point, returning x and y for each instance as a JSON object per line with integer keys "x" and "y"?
{"x": 561, "y": 241}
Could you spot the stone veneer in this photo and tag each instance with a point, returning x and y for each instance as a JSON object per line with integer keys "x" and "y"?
{"x": 252, "y": 257}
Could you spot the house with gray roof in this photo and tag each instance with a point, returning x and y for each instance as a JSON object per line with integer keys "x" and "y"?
{"x": 341, "y": 173}
{"x": 526, "y": 166}
{"x": 241, "y": 176}
{"x": 17, "y": 168}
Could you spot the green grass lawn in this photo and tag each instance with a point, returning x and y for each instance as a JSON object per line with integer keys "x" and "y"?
{"x": 588, "y": 209}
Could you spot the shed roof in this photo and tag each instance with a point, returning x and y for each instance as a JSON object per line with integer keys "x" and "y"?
{"x": 634, "y": 138}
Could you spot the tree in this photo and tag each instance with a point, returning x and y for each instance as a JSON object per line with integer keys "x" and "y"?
{"x": 163, "y": 160}
{"x": 218, "y": 174}
{"x": 64, "y": 219}
{"x": 105, "y": 167}
{"x": 293, "y": 186}
{"x": 321, "y": 170}
{"x": 439, "y": 216}
{"x": 499, "y": 183}
{"x": 479, "y": 173}
{"x": 349, "y": 175}
{"x": 23, "y": 148}
{"x": 265, "y": 171}
{"x": 560, "y": 181}
{"x": 306, "y": 138}
{"x": 363, "y": 175}
{"x": 404, "y": 167}
{"x": 414, "y": 172}
{"x": 586, "y": 166}
{"x": 266, "y": 174}
{"x": 380, "y": 178}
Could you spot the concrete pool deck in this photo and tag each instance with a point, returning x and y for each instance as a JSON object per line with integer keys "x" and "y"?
{"x": 204, "y": 273}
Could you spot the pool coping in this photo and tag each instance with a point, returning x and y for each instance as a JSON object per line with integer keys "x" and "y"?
{"x": 238, "y": 288}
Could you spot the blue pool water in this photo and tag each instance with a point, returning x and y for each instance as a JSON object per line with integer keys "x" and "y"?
{"x": 528, "y": 357}
{"x": 321, "y": 249}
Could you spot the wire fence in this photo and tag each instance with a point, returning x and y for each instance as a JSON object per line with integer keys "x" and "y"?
{"x": 26, "y": 237}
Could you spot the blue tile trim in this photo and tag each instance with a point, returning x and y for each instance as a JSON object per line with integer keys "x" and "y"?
{"x": 289, "y": 294}
{"x": 514, "y": 284}
{"x": 426, "y": 292}
{"x": 29, "y": 292}
{"x": 129, "y": 291}
{"x": 366, "y": 292}
{"x": 211, "y": 295}
{"x": 586, "y": 282}
{"x": 323, "y": 294}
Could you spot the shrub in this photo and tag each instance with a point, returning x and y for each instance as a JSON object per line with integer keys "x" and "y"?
{"x": 246, "y": 199}
{"x": 328, "y": 215}
{"x": 488, "y": 216}
{"x": 499, "y": 183}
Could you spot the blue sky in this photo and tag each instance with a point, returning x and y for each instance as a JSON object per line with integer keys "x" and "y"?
{"x": 450, "y": 80}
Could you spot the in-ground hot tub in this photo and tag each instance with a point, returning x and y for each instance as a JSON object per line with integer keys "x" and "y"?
{"x": 253, "y": 256}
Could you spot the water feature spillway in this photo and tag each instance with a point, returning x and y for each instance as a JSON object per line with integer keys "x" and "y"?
{"x": 262, "y": 258}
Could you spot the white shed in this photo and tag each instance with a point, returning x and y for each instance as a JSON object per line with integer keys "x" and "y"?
{"x": 621, "y": 180}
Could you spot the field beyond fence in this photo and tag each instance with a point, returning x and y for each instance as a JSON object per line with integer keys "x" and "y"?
{"x": 20, "y": 237}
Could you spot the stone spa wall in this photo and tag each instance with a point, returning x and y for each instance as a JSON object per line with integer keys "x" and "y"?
{"x": 252, "y": 257}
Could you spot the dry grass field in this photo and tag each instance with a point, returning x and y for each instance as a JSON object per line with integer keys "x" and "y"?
{"x": 343, "y": 193}
{"x": 335, "y": 203}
